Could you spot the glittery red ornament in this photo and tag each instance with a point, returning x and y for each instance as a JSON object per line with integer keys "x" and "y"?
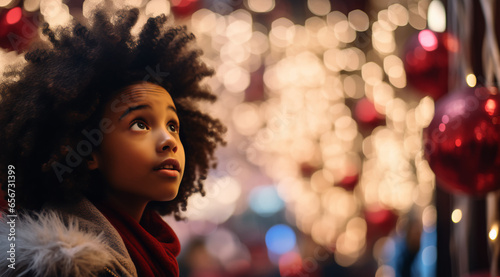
{"x": 462, "y": 143}
{"x": 426, "y": 62}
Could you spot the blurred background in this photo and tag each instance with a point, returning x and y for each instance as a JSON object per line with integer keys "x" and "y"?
{"x": 326, "y": 102}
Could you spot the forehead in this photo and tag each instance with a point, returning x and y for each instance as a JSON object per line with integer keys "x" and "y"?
{"x": 132, "y": 94}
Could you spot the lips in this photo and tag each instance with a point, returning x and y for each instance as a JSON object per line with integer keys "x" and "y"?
{"x": 169, "y": 164}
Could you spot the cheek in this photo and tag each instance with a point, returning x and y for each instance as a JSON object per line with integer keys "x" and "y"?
{"x": 121, "y": 156}
{"x": 181, "y": 155}
{"x": 123, "y": 171}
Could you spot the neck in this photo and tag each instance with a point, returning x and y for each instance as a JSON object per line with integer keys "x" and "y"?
{"x": 130, "y": 205}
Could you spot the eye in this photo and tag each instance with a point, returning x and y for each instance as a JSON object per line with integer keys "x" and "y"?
{"x": 173, "y": 127}
{"x": 138, "y": 126}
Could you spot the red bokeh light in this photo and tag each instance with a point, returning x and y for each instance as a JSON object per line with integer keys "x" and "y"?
{"x": 17, "y": 29}
{"x": 365, "y": 111}
{"x": 490, "y": 106}
{"x": 290, "y": 264}
{"x": 14, "y": 15}
{"x": 428, "y": 40}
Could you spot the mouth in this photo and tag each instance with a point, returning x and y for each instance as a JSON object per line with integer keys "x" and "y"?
{"x": 169, "y": 164}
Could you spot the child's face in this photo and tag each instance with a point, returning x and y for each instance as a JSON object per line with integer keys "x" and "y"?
{"x": 142, "y": 158}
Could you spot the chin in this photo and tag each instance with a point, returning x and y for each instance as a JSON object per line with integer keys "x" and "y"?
{"x": 165, "y": 197}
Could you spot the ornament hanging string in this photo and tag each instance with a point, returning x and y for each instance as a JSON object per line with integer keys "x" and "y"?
{"x": 491, "y": 63}
{"x": 462, "y": 60}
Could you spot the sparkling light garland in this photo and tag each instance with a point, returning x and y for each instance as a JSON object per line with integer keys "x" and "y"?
{"x": 303, "y": 134}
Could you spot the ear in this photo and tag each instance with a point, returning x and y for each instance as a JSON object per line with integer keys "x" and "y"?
{"x": 93, "y": 161}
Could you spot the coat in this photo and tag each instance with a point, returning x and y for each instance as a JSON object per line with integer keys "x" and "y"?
{"x": 65, "y": 240}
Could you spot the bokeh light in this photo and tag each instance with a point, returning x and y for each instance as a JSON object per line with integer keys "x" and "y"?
{"x": 31, "y": 5}
{"x": 157, "y": 7}
{"x": 428, "y": 40}
{"x": 13, "y": 15}
{"x": 280, "y": 239}
{"x": 6, "y": 3}
{"x": 436, "y": 16}
{"x": 493, "y": 233}
{"x": 471, "y": 80}
{"x": 265, "y": 200}
{"x": 290, "y": 263}
{"x": 319, "y": 7}
{"x": 261, "y": 6}
{"x": 456, "y": 216}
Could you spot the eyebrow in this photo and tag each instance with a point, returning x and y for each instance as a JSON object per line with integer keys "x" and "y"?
{"x": 141, "y": 107}
{"x": 170, "y": 107}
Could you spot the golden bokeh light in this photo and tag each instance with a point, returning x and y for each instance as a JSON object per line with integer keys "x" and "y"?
{"x": 344, "y": 32}
{"x": 261, "y": 6}
{"x": 319, "y": 7}
{"x": 6, "y": 3}
{"x": 398, "y": 14}
{"x": 493, "y": 233}
{"x": 436, "y": 16}
{"x": 28, "y": 5}
{"x": 359, "y": 20}
{"x": 470, "y": 79}
{"x": 456, "y": 216}
{"x": 153, "y": 7}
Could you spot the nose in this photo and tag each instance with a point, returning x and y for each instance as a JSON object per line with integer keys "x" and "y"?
{"x": 166, "y": 142}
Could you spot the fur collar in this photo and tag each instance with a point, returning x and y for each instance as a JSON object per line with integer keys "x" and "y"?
{"x": 45, "y": 245}
{"x": 72, "y": 239}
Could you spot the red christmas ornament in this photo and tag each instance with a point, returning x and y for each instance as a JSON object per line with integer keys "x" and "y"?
{"x": 426, "y": 62}
{"x": 462, "y": 143}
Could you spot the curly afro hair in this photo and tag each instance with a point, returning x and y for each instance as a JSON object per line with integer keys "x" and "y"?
{"x": 64, "y": 87}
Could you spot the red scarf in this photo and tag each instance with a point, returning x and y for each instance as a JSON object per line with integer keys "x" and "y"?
{"x": 152, "y": 244}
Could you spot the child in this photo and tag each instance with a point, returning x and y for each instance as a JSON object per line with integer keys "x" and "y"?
{"x": 101, "y": 134}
